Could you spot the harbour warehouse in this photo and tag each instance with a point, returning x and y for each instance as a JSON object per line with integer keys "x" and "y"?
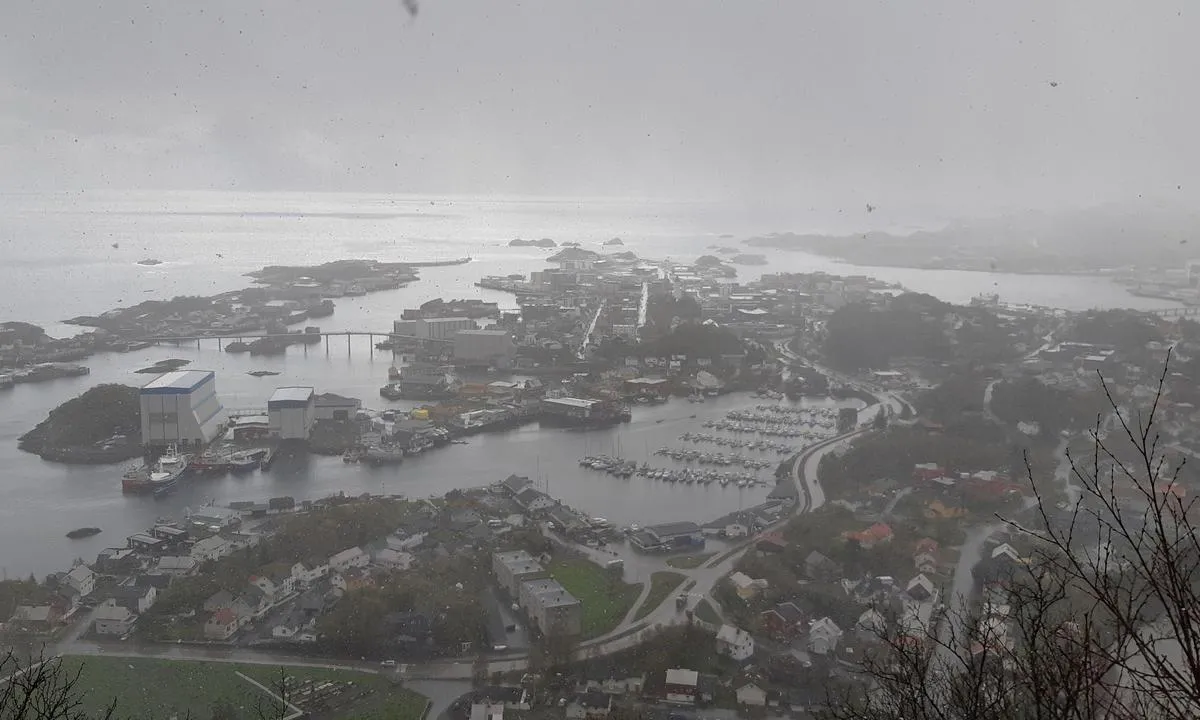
{"x": 181, "y": 408}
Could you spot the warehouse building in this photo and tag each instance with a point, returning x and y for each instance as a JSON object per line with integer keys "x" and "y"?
{"x": 291, "y": 411}
{"x": 330, "y": 406}
{"x": 181, "y": 408}
{"x": 484, "y": 347}
{"x": 432, "y": 328}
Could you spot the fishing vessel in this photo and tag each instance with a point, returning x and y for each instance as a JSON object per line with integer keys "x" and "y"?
{"x": 383, "y": 455}
{"x": 245, "y": 460}
{"x": 158, "y": 479}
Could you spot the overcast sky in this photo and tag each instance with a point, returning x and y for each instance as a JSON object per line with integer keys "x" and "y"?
{"x": 937, "y": 101}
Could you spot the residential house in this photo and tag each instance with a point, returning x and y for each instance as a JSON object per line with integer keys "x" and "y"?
{"x": 1006, "y": 552}
{"x": 680, "y": 686}
{"x": 349, "y": 558}
{"x": 920, "y": 588}
{"x": 393, "y": 559}
{"x": 591, "y": 705}
{"x": 352, "y": 579}
{"x": 877, "y": 534}
{"x": 735, "y": 643}
{"x": 820, "y": 567}
{"x": 136, "y": 598}
{"x": 82, "y": 580}
{"x": 296, "y": 627}
{"x": 533, "y": 500}
{"x": 305, "y": 574}
{"x": 512, "y": 698}
{"x": 35, "y": 618}
{"x": 116, "y": 561}
{"x": 113, "y": 619}
{"x": 211, "y": 548}
{"x": 926, "y": 545}
{"x": 751, "y": 695}
{"x": 746, "y": 587}
{"x": 284, "y": 582}
{"x": 925, "y": 563}
{"x": 871, "y": 623}
{"x": 784, "y": 621}
{"x": 487, "y": 711}
{"x": 736, "y": 530}
{"x": 823, "y": 636}
{"x": 222, "y": 625}
{"x": 177, "y": 565}
{"x": 402, "y": 541}
{"x": 267, "y": 587}
{"x": 937, "y": 510}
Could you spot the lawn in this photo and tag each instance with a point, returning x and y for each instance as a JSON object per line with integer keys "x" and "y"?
{"x": 662, "y": 584}
{"x": 152, "y": 688}
{"x": 604, "y": 596}
{"x": 689, "y": 562}
{"x": 706, "y": 613}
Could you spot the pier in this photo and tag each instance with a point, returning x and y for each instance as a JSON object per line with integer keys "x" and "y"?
{"x": 325, "y": 336}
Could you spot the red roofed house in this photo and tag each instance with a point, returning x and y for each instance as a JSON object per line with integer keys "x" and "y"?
{"x": 877, "y": 534}
{"x": 926, "y": 545}
{"x": 784, "y": 621}
{"x": 222, "y": 625}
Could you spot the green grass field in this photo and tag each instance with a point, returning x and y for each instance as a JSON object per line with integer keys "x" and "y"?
{"x": 706, "y": 612}
{"x": 662, "y": 584}
{"x": 689, "y": 562}
{"x": 151, "y": 688}
{"x": 605, "y": 597}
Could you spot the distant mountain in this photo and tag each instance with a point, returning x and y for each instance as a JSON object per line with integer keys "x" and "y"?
{"x": 1078, "y": 241}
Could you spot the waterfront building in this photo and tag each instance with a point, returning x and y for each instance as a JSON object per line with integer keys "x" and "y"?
{"x": 291, "y": 412}
{"x": 181, "y": 408}
{"x": 329, "y": 406}
{"x": 486, "y": 347}
{"x": 668, "y": 536}
{"x": 443, "y": 328}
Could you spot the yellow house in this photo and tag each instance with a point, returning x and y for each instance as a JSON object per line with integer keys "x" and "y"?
{"x": 937, "y": 510}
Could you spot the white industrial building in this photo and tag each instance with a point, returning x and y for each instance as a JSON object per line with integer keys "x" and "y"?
{"x": 181, "y": 408}
{"x": 291, "y": 412}
{"x": 432, "y": 328}
{"x": 492, "y": 347}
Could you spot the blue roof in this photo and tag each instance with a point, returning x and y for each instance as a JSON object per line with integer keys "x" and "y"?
{"x": 177, "y": 383}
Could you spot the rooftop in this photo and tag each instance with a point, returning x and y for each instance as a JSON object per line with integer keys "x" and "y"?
{"x": 573, "y": 402}
{"x": 179, "y": 381}
{"x": 291, "y": 394}
{"x": 675, "y": 528}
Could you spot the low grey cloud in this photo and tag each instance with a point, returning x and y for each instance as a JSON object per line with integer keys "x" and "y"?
{"x": 946, "y": 102}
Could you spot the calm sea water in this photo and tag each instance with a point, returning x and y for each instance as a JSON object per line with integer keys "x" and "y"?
{"x": 77, "y": 254}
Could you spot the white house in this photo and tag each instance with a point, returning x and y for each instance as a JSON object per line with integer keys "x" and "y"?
{"x": 296, "y": 628}
{"x": 534, "y": 500}
{"x": 402, "y": 542}
{"x": 746, "y": 586}
{"x": 349, "y": 558}
{"x": 1004, "y": 550}
{"x": 305, "y": 575}
{"x": 210, "y": 548}
{"x": 752, "y": 695}
{"x": 113, "y": 619}
{"x": 82, "y": 580}
{"x": 824, "y": 636}
{"x": 735, "y": 642}
{"x": 393, "y": 559}
{"x": 920, "y": 588}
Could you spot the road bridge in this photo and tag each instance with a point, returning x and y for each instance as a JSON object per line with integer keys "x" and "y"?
{"x": 1177, "y": 312}
{"x": 325, "y": 336}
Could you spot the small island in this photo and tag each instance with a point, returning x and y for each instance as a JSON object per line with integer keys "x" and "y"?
{"x": 543, "y": 243}
{"x": 150, "y": 261}
{"x": 748, "y": 259}
{"x": 103, "y": 425}
{"x": 83, "y": 532}
{"x": 614, "y": 241}
{"x": 163, "y": 366}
